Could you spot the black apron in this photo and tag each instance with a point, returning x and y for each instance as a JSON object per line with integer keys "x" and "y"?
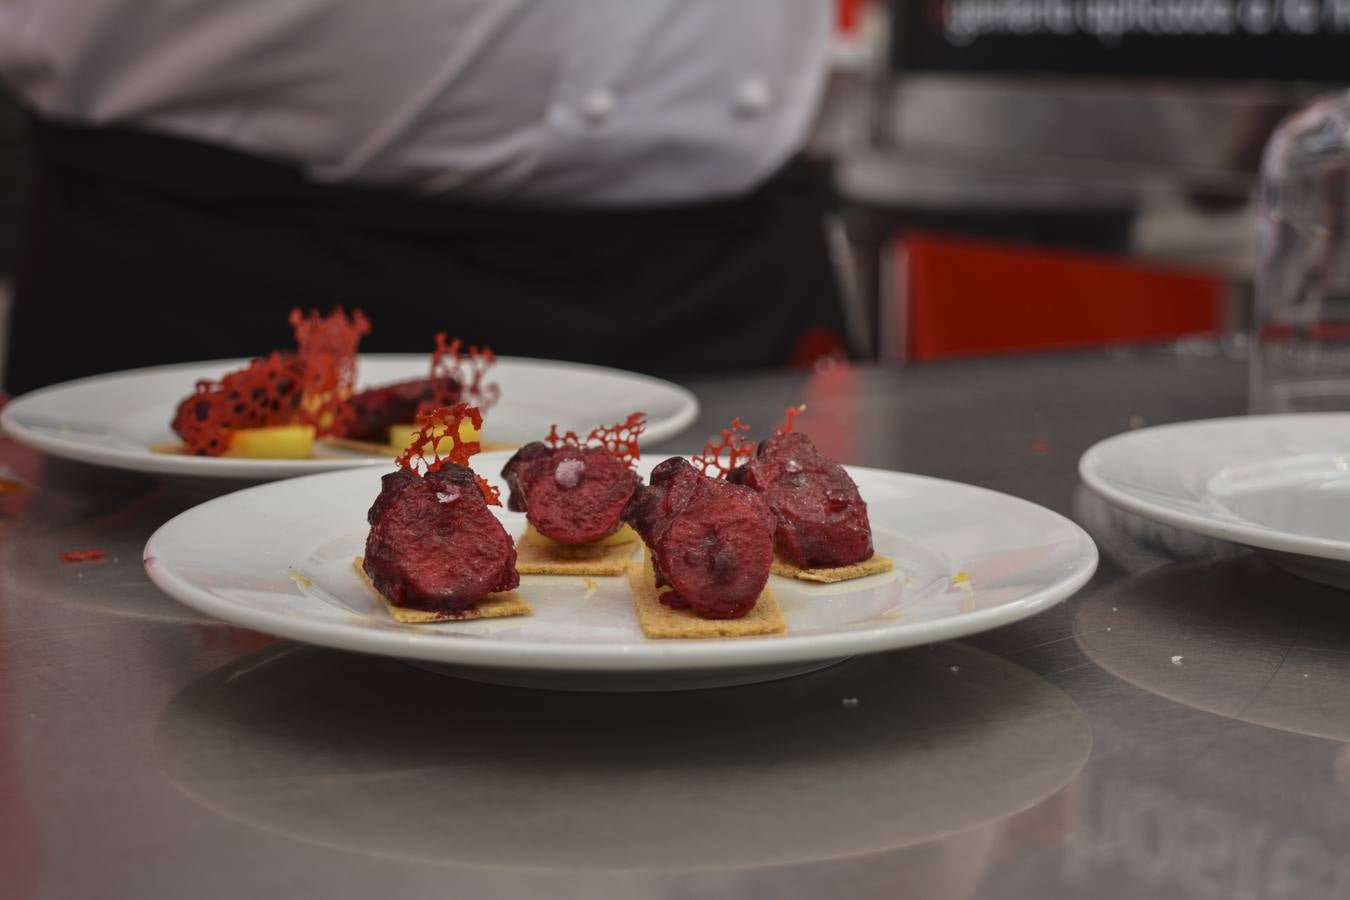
{"x": 142, "y": 249}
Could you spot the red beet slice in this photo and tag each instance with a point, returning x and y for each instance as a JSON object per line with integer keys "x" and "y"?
{"x": 374, "y": 410}
{"x": 711, "y": 541}
{"x": 822, "y": 520}
{"x": 573, "y": 495}
{"x": 434, "y": 544}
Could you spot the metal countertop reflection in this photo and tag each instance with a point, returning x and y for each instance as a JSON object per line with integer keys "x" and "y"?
{"x": 148, "y": 752}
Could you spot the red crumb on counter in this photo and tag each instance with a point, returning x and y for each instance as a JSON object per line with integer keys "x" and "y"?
{"x": 74, "y": 556}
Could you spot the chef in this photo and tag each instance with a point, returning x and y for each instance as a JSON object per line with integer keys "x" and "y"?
{"x": 614, "y": 181}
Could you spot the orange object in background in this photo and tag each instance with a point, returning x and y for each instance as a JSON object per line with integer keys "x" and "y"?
{"x": 968, "y": 298}
{"x": 847, "y": 15}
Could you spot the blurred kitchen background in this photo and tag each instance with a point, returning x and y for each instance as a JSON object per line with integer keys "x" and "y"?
{"x": 1035, "y": 174}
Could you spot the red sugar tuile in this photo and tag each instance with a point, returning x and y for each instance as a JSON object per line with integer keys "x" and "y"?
{"x": 619, "y": 440}
{"x": 437, "y": 427}
{"x": 732, "y": 442}
{"x": 462, "y": 375}
{"x": 790, "y": 419}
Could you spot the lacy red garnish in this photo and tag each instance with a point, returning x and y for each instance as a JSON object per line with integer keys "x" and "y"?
{"x": 729, "y": 451}
{"x": 327, "y": 346}
{"x": 619, "y": 440}
{"x": 266, "y": 392}
{"x": 72, "y": 556}
{"x": 436, "y": 428}
{"x": 307, "y": 387}
{"x": 790, "y": 419}
{"x": 463, "y": 375}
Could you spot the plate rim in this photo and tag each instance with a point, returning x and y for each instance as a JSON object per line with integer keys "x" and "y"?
{"x": 230, "y": 467}
{"x": 655, "y": 655}
{"x": 1236, "y": 531}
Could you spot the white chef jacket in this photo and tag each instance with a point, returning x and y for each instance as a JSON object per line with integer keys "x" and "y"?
{"x": 561, "y": 101}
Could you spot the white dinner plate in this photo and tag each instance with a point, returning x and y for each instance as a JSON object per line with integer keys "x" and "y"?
{"x": 278, "y": 558}
{"x": 1280, "y": 484}
{"x": 112, "y": 420}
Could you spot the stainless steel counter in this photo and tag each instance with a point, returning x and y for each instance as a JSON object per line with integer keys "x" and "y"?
{"x": 1178, "y": 729}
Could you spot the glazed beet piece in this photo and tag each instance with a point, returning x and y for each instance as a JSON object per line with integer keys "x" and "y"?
{"x": 822, "y": 521}
{"x": 573, "y": 495}
{"x": 434, "y": 544}
{"x": 374, "y": 410}
{"x": 711, "y": 541}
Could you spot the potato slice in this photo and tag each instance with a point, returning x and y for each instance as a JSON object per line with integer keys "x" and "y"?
{"x": 401, "y": 436}
{"x": 273, "y": 442}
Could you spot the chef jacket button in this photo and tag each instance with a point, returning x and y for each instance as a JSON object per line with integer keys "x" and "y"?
{"x": 597, "y": 106}
{"x": 753, "y": 97}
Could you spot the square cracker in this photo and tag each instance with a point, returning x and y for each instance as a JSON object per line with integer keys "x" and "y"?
{"x": 493, "y": 606}
{"x": 535, "y": 559}
{"x": 873, "y": 565}
{"x": 660, "y": 621}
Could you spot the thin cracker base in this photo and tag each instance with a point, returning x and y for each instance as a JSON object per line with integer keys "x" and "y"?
{"x": 536, "y": 559}
{"x": 493, "y": 606}
{"x": 873, "y": 565}
{"x": 660, "y": 621}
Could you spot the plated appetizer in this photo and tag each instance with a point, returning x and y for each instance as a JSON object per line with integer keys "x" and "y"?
{"x": 276, "y": 406}
{"x": 714, "y": 529}
{"x": 435, "y": 552}
{"x": 381, "y": 420}
{"x": 821, "y": 532}
{"x": 279, "y": 406}
{"x": 709, "y": 549}
{"x": 573, "y": 492}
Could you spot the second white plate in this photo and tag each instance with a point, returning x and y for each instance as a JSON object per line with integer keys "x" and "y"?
{"x": 278, "y": 558}
{"x": 1277, "y": 483}
{"x": 112, "y": 420}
